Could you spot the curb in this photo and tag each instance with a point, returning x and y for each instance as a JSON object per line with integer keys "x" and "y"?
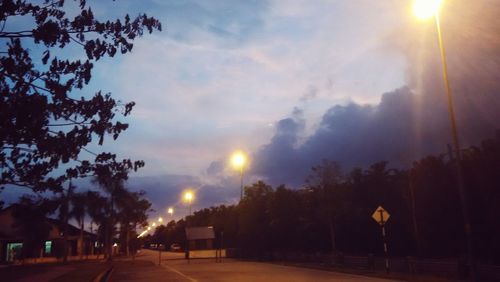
{"x": 104, "y": 276}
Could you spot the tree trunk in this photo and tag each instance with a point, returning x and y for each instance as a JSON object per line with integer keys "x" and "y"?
{"x": 82, "y": 245}
{"x": 110, "y": 232}
{"x": 128, "y": 240}
{"x": 92, "y": 243}
{"x": 66, "y": 225}
{"x": 332, "y": 235}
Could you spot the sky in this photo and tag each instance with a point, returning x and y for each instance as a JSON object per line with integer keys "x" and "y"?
{"x": 223, "y": 74}
{"x": 292, "y": 83}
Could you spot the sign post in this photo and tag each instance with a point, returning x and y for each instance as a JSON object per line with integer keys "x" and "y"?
{"x": 381, "y": 216}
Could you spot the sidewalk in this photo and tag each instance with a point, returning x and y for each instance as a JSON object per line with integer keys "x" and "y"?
{"x": 59, "y": 272}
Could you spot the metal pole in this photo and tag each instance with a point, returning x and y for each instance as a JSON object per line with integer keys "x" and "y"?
{"x": 384, "y": 238}
{"x": 159, "y": 254}
{"x": 458, "y": 159}
{"x": 241, "y": 183}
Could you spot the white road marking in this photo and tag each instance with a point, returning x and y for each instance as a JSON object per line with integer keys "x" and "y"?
{"x": 180, "y": 273}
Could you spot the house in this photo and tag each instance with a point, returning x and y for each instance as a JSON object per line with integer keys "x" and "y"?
{"x": 12, "y": 239}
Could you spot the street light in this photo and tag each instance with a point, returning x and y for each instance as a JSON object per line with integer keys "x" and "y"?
{"x": 188, "y": 198}
{"x": 170, "y": 211}
{"x": 160, "y": 219}
{"x": 426, "y": 9}
{"x": 238, "y": 160}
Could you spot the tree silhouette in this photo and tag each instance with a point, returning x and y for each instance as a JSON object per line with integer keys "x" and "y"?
{"x": 78, "y": 211}
{"x": 42, "y": 124}
{"x": 325, "y": 182}
{"x": 132, "y": 212}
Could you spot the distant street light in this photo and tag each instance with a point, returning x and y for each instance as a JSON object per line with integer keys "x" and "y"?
{"x": 160, "y": 219}
{"x": 238, "y": 160}
{"x": 426, "y": 9}
{"x": 154, "y": 224}
{"x": 170, "y": 211}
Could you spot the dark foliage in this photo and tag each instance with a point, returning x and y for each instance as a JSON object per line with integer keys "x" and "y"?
{"x": 423, "y": 202}
{"x": 42, "y": 126}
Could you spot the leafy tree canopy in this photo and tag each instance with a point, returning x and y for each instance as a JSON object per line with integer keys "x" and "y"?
{"x": 43, "y": 124}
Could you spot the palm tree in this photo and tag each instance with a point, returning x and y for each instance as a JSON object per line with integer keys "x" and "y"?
{"x": 96, "y": 209}
{"x": 111, "y": 184}
{"x": 64, "y": 201}
{"x": 132, "y": 211}
{"x": 78, "y": 211}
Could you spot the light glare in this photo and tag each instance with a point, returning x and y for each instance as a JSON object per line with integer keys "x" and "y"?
{"x": 425, "y": 9}
{"x": 238, "y": 160}
{"x": 188, "y": 196}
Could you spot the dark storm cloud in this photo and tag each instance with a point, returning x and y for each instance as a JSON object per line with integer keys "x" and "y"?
{"x": 165, "y": 191}
{"x": 409, "y": 122}
{"x": 215, "y": 168}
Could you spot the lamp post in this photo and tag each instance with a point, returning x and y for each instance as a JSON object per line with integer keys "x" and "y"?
{"x": 188, "y": 198}
{"x": 426, "y": 9}
{"x": 160, "y": 221}
{"x": 238, "y": 161}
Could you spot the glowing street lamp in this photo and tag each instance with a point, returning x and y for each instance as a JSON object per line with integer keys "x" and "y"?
{"x": 426, "y": 9}
{"x": 170, "y": 211}
{"x": 149, "y": 228}
{"x": 238, "y": 160}
{"x": 154, "y": 224}
{"x": 188, "y": 197}
{"x": 160, "y": 219}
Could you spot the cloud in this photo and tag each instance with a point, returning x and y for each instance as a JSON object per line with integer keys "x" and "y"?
{"x": 412, "y": 121}
{"x": 201, "y": 93}
{"x": 165, "y": 191}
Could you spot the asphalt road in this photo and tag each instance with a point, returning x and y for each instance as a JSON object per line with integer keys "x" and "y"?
{"x": 174, "y": 268}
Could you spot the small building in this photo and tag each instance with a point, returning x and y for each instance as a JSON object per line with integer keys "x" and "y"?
{"x": 200, "y": 238}
{"x": 12, "y": 239}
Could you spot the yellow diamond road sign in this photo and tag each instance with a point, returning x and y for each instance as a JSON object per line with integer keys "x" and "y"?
{"x": 380, "y": 215}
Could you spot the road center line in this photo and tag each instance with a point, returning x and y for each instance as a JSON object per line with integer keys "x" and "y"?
{"x": 180, "y": 273}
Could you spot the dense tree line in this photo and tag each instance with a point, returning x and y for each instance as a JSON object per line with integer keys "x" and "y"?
{"x": 332, "y": 212}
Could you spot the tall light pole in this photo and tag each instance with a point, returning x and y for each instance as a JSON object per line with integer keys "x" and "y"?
{"x": 426, "y": 9}
{"x": 188, "y": 198}
{"x": 238, "y": 160}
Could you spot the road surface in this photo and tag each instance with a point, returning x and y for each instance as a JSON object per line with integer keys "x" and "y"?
{"x": 174, "y": 268}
